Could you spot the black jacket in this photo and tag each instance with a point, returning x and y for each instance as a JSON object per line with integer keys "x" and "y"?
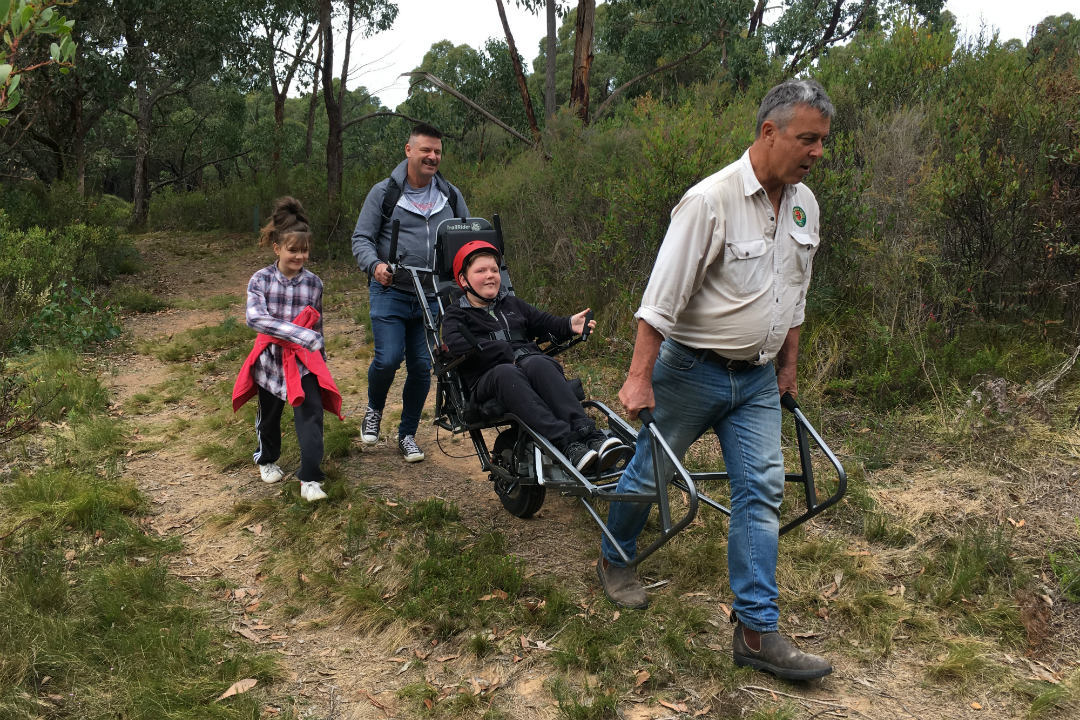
{"x": 506, "y": 327}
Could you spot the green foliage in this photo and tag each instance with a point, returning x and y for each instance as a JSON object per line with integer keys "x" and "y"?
{"x": 37, "y": 259}
{"x": 57, "y": 205}
{"x": 47, "y": 281}
{"x": 69, "y": 317}
{"x": 19, "y": 21}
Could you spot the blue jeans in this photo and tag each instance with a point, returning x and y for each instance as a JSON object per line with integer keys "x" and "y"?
{"x": 397, "y": 328}
{"x": 743, "y": 409}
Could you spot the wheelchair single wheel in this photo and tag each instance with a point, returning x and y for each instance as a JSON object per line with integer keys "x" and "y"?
{"x": 521, "y": 499}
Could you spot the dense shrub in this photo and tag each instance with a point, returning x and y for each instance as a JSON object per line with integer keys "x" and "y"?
{"x": 29, "y": 204}
{"x": 47, "y": 280}
{"x": 245, "y": 206}
{"x": 69, "y": 317}
{"x": 37, "y": 258}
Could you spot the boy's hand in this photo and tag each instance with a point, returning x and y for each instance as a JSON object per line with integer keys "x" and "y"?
{"x": 577, "y": 322}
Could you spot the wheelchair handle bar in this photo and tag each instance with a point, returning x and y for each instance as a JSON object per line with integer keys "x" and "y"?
{"x": 393, "y": 259}
{"x": 586, "y": 330}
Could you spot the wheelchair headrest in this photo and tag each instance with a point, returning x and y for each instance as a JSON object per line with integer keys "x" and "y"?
{"x": 452, "y": 234}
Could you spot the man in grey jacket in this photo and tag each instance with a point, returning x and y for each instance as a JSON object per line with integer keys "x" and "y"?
{"x": 419, "y": 197}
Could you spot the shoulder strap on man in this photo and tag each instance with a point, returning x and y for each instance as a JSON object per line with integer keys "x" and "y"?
{"x": 393, "y": 194}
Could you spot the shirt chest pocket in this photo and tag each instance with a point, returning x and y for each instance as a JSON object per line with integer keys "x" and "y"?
{"x": 747, "y": 267}
{"x": 800, "y": 257}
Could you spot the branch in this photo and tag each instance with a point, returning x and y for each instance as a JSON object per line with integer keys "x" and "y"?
{"x": 384, "y": 113}
{"x": 829, "y": 36}
{"x": 447, "y": 89}
{"x": 603, "y": 106}
{"x": 157, "y": 186}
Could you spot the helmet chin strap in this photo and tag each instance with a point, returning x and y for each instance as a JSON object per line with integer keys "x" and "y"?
{"x": 469, "y": 289}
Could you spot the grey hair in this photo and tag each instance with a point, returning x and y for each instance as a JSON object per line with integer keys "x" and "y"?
{"x": 779, "y": 103}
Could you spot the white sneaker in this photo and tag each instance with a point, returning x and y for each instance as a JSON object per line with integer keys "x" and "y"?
{"x": 312, "y": 491}
{"x": 369, "y": 428}
{"x": 409, "y": 449}
{"x": 271, "y": 473}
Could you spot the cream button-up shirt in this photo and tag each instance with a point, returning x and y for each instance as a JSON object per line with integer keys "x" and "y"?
{"x": 730, "y": 276}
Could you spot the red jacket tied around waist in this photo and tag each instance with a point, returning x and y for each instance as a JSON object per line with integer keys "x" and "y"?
{"x": 245, "y": 387}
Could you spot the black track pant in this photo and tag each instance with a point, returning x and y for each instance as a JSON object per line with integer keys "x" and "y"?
{"x": 536, "y": 390}
{"x": 308, "y": 419}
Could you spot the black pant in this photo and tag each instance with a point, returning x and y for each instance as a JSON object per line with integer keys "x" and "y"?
{"x": 536, "y": 390}
{"x": 308, "y": 419}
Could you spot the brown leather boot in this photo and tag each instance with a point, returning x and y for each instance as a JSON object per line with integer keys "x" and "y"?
{"x": 774, "y": 653}
{"x": 621, "y": 585}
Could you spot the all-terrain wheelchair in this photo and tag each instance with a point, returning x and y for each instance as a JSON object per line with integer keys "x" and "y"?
{"x": 524, "y": 465}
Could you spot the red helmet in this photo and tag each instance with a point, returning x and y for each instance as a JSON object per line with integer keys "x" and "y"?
{"x": 468, "y": 250}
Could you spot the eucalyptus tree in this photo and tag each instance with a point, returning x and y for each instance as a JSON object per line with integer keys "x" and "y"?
{"x": 583, "y": 57}
{"x": 288, "y": 29}
{"x": 170, "y": 46}
{"x": 364, "y": 17}
{"x": 461, "y": 67}
{"x": 519, "y": 72}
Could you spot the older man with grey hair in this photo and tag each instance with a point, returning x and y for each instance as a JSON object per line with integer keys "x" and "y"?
{"x": 716, "y": 348}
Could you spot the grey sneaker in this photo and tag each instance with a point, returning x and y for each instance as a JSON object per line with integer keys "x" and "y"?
{"x": 409, "y": 449}
{"x": 774, "y": 653}
{"x": 369, "y": 428}
{"x": 621, "y": 585}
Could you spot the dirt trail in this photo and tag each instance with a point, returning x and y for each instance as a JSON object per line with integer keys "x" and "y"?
{"x": 331, "y": 673}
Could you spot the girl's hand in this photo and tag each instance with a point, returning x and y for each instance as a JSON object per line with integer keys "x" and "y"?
{"x": 577, "y": 322}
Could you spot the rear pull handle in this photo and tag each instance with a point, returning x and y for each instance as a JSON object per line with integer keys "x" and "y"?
{"x": 393, "y": 259}
{"x": 585, "y": 331}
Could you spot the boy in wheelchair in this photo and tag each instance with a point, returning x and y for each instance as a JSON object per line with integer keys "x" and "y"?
{"x": 497, "y": 331}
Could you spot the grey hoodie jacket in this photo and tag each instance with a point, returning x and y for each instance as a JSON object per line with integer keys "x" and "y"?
{"x": 416, "y": 235}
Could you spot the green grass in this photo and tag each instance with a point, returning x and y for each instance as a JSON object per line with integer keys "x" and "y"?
{"x": 94, "y": 625}
{"x": 135, "y": 299}
{"x": 57, "y": 384}
{"x": 214, "y": 302}
{"x": 229, "y": 335}
{"x": 963, "y": 664}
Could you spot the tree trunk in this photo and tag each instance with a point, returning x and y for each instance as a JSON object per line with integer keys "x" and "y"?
{"x": 583, "y": 57}
{"x": 549, "y": 75}
{"x": 334, "y": 160}
{"x": 141, "y": 189}
{"x": 279, "y": 124}
{"x": 756, "y": 16}
{"x": 78, "y": 147}
{"x": 280, "y": 91}
{"x": 313, "y": 103}
{"x": 523, "y": 88}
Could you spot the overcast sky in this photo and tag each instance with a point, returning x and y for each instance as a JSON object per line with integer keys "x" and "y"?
{"x": 422, "y": 23}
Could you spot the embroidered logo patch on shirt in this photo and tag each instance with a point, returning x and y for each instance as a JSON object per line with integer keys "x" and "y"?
{"x": 799, "y": 215}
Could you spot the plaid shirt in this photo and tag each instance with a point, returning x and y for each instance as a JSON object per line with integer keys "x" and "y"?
{"x": 273, "y": 300}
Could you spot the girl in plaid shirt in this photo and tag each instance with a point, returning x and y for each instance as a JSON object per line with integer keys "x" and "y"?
{"x": 276, "y": 295}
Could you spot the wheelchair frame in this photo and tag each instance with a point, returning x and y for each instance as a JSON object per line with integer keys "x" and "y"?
{"x": 523, "y": 465}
